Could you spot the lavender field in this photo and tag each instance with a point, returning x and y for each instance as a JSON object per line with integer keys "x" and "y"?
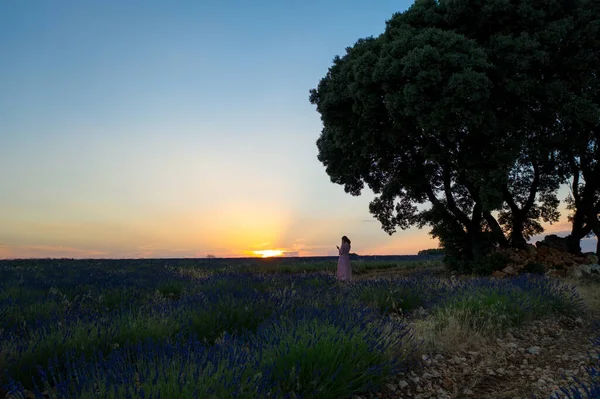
{"x": 203, "y": 329}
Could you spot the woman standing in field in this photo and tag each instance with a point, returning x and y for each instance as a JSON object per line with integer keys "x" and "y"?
{"x": 344, "y": 272}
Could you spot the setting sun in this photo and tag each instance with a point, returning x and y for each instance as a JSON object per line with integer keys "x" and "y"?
{"x": 267, "y": 253}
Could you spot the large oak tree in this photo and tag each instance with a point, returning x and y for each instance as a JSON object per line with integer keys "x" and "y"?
{"x": 451, "y": 118}
{"x": 579, "y": 114}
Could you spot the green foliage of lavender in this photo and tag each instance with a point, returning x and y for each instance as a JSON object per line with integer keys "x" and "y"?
{"x": 485, "y": 304}
{"x": 401, "y": 295}
{"x": 183, "y": 331}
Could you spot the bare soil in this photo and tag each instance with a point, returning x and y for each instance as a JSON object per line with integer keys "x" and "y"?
{"x": 534, "y": 360}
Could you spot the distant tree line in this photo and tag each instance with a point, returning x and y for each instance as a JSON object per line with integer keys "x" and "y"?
{"x": 466, "y": 117}
{"x": 431, "y": 252}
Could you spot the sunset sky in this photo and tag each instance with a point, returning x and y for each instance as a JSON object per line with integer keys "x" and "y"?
{"x": 176, "y": 129}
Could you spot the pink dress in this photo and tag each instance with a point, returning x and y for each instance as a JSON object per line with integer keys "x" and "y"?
{"x": 344, "y": 272}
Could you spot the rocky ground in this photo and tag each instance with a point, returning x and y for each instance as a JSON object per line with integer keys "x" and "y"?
{"x": 532, "y": 361}
{"x": 536, "y": 359}
{"x": 549, "y": 256}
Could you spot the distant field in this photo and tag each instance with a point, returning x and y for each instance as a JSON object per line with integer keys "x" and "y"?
{"x": 279, "y": 260}
{"x": 360, "y": 264}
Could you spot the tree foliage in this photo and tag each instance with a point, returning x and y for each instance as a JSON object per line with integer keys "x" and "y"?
{"x": 579, "y": 116}
{"x": 455, "y": 117}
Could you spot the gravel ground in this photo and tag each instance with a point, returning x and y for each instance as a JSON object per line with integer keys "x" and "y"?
{"x": 533, "y": 360}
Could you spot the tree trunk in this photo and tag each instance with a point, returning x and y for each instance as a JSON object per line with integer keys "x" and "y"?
{"x": 574, "y": 243}
{"x": 577, "y": 229}
{"x": 496, "y": 230}
{"x": 517, "y": 239}
{"x": 597, "y": 233}
{"x": 476, "y": 248}
{"x": 578, "y": 232}
{"x": 519, "y": 215}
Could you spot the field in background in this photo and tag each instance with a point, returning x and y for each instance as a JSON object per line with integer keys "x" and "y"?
{"x": 246, "y": 328}
{"x": 328, "y": 264}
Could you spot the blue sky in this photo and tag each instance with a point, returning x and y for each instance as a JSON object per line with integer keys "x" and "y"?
{"x": 132, "y": 128}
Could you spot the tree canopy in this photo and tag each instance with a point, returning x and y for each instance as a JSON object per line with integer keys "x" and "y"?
{"x": 459, "y": 117}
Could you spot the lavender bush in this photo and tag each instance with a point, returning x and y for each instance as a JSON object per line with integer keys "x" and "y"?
{"x": 163, "y": 330}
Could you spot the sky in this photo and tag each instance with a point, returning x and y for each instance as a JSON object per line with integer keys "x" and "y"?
{"x": 177, "y": 129}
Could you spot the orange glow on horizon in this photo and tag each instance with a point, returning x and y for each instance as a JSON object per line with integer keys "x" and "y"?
{"x": 268, "y": 253}
{"x": 237, "y": 230}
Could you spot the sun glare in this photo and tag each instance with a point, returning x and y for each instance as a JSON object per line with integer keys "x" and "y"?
{"x": 267, "y": 253}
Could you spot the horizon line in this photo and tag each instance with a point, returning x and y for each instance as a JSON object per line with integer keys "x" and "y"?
{"x": 208, "y": 258}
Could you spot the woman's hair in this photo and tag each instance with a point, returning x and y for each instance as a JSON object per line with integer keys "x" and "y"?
{"x": 344, "y": 238}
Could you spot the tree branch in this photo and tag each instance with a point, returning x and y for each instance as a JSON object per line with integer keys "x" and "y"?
{"x": 458, "y": 213}
{"x": 496, "y": 229}
{"x": 575, "y": 184}
{"x": 476, "y": 214}
{"x": 532, "y": 190}
{"x": 509, "y": 199}
{"x": 487, "y": 215}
